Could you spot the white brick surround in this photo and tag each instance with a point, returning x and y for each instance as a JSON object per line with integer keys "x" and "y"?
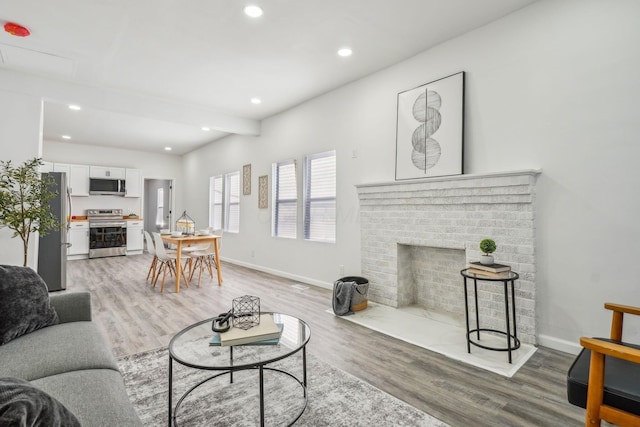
{"x": 417, "y": 235}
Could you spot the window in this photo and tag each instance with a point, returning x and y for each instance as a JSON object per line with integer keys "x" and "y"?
{"x": 320, "y": 197}
{"x": 232, "y": 202}
{"x": 215, "y": 202}
{"x": 285, "y": 200}
{"x": 160, "y": 208}
{"x": 224, "y": 202}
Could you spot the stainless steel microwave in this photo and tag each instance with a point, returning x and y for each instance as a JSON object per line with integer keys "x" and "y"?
{"x": 113, "y": 187}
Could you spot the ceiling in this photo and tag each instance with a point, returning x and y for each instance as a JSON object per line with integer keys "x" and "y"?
{"x": 205, "y": 59}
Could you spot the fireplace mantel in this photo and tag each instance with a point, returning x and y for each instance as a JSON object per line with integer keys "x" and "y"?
{"x": 452, "y": 212}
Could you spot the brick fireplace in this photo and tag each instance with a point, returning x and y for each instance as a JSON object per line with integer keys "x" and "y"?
{"x": 417, "y": 235}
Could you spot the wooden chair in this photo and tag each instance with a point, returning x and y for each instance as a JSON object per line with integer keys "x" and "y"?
{"x": 151, "y": 249}
{"x": 167, "y": 262}
{"x": 605, "y": 377}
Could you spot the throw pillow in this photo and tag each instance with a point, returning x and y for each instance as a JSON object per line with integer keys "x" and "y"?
{"x": 22, "y": 404}
{"x": 24, "y": 303}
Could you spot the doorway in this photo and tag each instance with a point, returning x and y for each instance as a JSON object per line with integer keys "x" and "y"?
{"x": 158, "y": 198}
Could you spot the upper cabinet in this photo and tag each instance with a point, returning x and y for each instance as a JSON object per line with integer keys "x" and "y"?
{"x": 106, "y": 172}
{"x": 77, "y": 178}
{"x": 133, "y": 183}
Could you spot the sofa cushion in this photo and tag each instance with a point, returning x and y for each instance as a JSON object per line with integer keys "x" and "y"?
{"x": 22, "y": 404}
{"x": 56, "y": 349}
{"x": 24, "y": 303}
{"x": 97, "y": 397}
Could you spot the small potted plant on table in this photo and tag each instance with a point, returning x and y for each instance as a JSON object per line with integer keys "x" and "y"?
{"x": 487, "y": 246}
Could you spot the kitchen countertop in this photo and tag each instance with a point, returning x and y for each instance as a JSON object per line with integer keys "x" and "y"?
{"x": 85, "y": 219}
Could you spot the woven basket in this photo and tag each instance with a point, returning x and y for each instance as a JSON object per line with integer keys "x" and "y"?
{"x": 359, "y": 298}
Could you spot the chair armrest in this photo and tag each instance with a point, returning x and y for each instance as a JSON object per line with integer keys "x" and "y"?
{"x": 618, "y": 313}
{"x": 618, "y": 351}
{"x": 622, "y": 308}
{"x": 72, "y": 307}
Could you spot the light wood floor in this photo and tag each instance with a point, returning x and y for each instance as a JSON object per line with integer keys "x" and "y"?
{"x": 137, "y": 317}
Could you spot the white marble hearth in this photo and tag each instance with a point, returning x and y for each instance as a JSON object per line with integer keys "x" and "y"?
{"x": 437, "y": 333}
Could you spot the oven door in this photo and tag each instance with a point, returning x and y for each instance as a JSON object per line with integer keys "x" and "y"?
{"x": 107, "y": 239}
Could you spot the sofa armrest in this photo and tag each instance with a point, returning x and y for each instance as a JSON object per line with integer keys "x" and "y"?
{"x": 72, "y": 307}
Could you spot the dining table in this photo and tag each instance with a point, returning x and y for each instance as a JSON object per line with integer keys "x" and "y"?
{"x": 188, "y": 240}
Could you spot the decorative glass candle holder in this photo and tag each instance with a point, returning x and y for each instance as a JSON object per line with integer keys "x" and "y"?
{"x": 246, "y": 312}
{"x": 186, "y": 224}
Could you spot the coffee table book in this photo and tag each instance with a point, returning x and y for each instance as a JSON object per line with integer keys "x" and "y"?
{"x": 494, "y": 268}
{"x": 501, "y": 275}
{"x": 265, "y": 330}
{"x": 215, "y": 339}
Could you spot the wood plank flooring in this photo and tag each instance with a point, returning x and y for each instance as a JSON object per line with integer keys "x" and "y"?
{"x": 137, "y": 317}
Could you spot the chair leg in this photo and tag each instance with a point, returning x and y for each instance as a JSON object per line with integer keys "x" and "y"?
{"x": 152, "y": 268}
{"x": 156, "y": 275}
{"x": 595, "y": 390}
{"x": 163, "y": 277}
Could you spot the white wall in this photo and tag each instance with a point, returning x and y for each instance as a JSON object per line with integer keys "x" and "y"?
{"x": 553, "y": 86}
{"x": 20, "y": 140}
{"x": 152, "y": 165}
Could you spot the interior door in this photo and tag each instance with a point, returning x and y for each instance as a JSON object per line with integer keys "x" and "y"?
{"x": 157, "y": 195}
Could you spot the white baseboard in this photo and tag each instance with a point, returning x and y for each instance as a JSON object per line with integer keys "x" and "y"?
{"x": 295, "y": 277}
{"x": 559, "y": 344}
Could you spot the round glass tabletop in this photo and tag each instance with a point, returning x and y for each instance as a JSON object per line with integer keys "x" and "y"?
{"x": 191, "y": 346}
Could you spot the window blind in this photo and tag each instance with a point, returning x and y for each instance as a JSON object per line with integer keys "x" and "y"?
{"x": 285, "y": 200}
{"x": 320, "y": 197}
{"x": 232, "y": 202}
{"x": 215, "y": 202}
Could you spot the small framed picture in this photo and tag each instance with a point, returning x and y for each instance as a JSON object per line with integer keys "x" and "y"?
{"x": 263, "y": 192}
{"x": 246, "y": 179}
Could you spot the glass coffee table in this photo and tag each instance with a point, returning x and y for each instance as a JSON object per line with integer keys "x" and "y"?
{"x": 190, "y": 347}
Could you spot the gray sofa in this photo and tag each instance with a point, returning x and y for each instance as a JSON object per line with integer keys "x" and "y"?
{"x": 72, "y": 362}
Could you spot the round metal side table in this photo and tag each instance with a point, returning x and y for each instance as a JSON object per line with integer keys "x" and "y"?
{"x": 513, "y": 343}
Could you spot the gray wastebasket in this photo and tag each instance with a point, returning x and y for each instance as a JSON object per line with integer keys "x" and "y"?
{"x": 360, "y": 289}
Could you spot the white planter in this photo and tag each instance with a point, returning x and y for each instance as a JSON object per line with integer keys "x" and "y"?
{"x": 486, "y": 259}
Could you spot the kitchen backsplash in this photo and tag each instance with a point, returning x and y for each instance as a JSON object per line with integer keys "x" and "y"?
{"x": 79, "y": 205}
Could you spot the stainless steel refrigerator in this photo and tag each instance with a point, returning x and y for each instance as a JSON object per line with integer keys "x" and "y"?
{"x": 52, "y": 252}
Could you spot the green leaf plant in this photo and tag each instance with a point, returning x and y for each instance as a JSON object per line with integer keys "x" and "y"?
{"x": 487, "y": 246}
{"x": 24, "y": 201}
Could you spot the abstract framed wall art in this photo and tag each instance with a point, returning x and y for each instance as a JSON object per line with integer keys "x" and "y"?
{"x": 263, "y": 191}
{"x": 246, "y": 179}
{"x": 430, "y": 129}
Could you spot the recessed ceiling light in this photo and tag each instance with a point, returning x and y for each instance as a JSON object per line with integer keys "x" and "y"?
{"x": 206, "y": 129}
{"x": 75, "y": 107}
{"x": 345, "y": 51}
{"x": 256, "y": 101}
{"x": 66, "y": 137}
{"x": 253, "y": 11}
{"x": 167, "y": 148}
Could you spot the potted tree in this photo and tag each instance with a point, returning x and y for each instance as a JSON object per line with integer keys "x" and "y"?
{"x": 24, "y": 201}
{"x": 487, "y": 246}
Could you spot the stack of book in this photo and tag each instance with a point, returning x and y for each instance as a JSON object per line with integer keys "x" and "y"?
{"x": 267, "y": 332}
{"x": 497, "y": 271}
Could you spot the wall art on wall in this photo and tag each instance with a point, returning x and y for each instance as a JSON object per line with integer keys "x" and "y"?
{"x": 246, "y": 179}
{"x": 263, "y": 192}
{"x": 430, "y": 129}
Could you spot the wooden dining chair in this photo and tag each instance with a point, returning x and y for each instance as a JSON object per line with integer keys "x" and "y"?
{"x": 605, "y": 376}
{"x": 167, "y": 262}
{"x": 205, "y": 258}
{"x": 151, "y": 249}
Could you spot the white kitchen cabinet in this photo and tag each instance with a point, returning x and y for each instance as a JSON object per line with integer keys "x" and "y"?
{"x": 135, "y": 237}
{"x": 78, "y": 237}
{"x": 133, "y": 183}
{"x": 77, "y": 178}
{"x": 106, "y": 172}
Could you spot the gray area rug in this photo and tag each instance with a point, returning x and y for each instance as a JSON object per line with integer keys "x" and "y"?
{"x": 336, "y": 398}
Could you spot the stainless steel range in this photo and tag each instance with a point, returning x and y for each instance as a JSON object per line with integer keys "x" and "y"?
{"x": 107, "y": 233}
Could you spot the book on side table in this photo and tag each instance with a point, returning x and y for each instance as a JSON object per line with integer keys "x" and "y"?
{"x": 493, "y": 268}
{"x": 267, "y": 332}
{"x": 500, "y": 275}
